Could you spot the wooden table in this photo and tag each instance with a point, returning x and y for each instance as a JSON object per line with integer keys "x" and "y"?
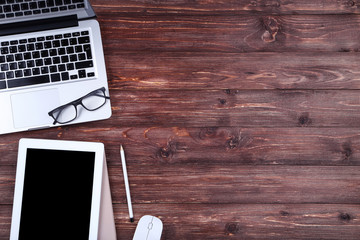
{"x": 240, "y": 119}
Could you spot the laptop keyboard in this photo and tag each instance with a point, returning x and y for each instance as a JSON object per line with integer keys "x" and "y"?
{"x": 46, "y": 59}
{"x": 20, "y": 8}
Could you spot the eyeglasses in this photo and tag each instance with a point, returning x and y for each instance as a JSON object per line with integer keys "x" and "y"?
{"x": 68, "y": 112}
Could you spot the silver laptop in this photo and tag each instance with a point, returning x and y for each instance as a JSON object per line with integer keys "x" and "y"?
{"x": 52, "y": 69}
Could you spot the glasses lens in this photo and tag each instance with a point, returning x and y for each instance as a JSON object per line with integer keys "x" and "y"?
{"x": 94, "y": 101}
{"x": 65, "y": 114}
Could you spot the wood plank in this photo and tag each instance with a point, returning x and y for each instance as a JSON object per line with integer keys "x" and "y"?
{"x": 224, "y": 183}
{"x": 235, "y": 108}
{"x": 208, "y": 145}
{"x": 208, "y": 221}
{"x": 248, "y": 221}
{"x": 151, "y": 70}
{"x": 227, "y": 183}
{"x": 235, "y": 34}
{"x": 206, "y": 7}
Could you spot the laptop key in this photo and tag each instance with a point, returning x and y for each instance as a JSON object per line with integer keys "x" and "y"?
{"x": 33, "y": 5}
{"x": 4, "y": 50}
{"x": 22, "y": 64}
{"x": 2, "y": 84}
{"x": 21, "y": 82}
{"x": 55, "y": 77}
{"x": 65, "y": 76}
{"x": 18, "y": 57}
{"x": 84, "y": 64}
{"x": 7, "y": 8}
{"x": 44, "y": 70}
{"x": 10, "y": 15}
{"x": 87, "y": 50}
{"x": 27, "y": 72}
{"x": 24, "y": 6}
{"x": 42, "y": 4}
{"x": 18, "y": 73}
{"x": 27, "y": 55}
{"x": 4, "y": 67}
{"x": 16, "y": 7}
{"x": 10, "y": 58}
{"x": 10, "y": 75}
{"x": 82, "y": 40}
{"x": 13, "y": 66}
{"x": 50, "y": 3}
{"x": 82, "y": 73}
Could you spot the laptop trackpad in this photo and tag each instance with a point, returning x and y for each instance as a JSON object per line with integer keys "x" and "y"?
{"x": 31, "y": 109}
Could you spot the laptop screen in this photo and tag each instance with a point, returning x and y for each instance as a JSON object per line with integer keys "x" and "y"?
{"x": 57, "y": 194}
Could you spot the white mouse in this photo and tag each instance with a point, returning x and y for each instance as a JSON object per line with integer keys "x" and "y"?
{"x": 148, "y": 228}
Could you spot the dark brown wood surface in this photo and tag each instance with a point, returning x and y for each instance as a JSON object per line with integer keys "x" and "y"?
{"x": 240, "y": 119}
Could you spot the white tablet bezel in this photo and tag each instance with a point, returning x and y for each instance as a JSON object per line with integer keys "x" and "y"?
{"x": 24, "y": 144}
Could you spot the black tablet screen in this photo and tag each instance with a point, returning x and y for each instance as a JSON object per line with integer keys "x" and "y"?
{"x": 57, "y": 194}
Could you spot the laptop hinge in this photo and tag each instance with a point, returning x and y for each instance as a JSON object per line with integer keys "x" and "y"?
{"x": 39, "y": 25}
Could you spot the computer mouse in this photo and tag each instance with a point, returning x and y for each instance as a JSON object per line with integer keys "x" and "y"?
{"x": 148, "y": 228}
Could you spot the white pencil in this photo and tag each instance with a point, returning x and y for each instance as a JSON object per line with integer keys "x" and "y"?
{"x": 127, "y": 189}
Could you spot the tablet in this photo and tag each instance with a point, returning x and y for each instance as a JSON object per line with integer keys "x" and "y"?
{"x": 57, "y": 190}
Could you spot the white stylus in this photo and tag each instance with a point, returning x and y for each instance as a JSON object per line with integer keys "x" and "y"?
{"x": 127, "y": 189}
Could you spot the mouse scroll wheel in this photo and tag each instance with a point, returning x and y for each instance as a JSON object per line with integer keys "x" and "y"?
{"x": 150, "y": 226}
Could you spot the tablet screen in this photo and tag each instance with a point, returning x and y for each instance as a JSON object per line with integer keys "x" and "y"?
{"x": 57, "y": 194}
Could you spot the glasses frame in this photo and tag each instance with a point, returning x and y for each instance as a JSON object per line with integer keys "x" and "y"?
{"x": 76, "y": 103}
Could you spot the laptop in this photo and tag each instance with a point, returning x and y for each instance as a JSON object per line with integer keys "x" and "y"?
{"x": 50, "y": 55}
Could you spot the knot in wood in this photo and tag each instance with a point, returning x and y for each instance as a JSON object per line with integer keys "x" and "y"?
{"x": 346, "y": 150}
{"x": 238, "y": 141}
{"x": 165, "y": 152}
{"x": 222, "y": 101}
{"x": 233, "y": 142}
{"x": 253, "y": 3}
{"x": 345, "y": 217}
{"x": 265, "y": 4}
{"x": 304, "y": 120}
{"x": 207, "y": 132}
{"x": 231, "y": 92}
{"x": 271, "y": 29}
{"x": 231, "y": 228}
{"x": 284, "y": 213}
{"x": 350, "y": 3}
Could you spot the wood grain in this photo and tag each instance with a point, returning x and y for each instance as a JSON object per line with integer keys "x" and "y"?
{"x": 249, "y": 221}
{"x": 240, "y": 119}
{"x": 224, "y": 184}
{"x": 235, "y": 108}
{"x": 191, "y": 70}
{"x": 228, "y": 7}
{"x": 233, "y": 34}
{"x": 209, "y": 145}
